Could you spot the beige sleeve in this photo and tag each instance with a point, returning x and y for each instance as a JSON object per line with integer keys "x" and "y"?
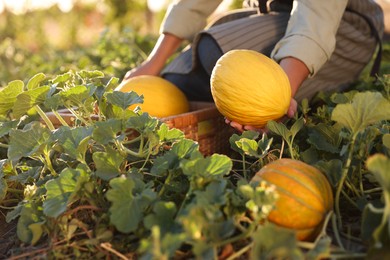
{"x": 185, "y": 18}
{"x": 311, "y": 32}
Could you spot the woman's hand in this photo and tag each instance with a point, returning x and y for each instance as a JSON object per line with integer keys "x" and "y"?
{"x": 165, "y": 46}
{"x": 241, "y": 128}
{"x": 146, "y": 68}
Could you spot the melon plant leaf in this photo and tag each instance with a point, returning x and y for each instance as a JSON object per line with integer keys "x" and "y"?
{"x": 30, "y": 213}
{"x": 249, "y": 147}
{"x": 332, "y": 169}
{"x": 386, "y": 142}
{"x": 106, "y": 131}
{"x": 5, "y": 127}
{"x": 85, "y": 74}
{"x": 321, "y": 249}
{"x": 62, "y": 77}
{"x": 8, "y": 96}
{"x": 27, "y": 142}
{"x": 273, "y": 242}
{"x": 3, "y": 188}
{"x": 159, "y": 246}
{"x": 28, "y": 99}
{"x": 371, "y": 220}
{"x": 246, "y": 134}
{"x": 53, "y": 102}
{"x": 108, "y": 163}
{"x": 366, "y": 108}
{"x": 75, "y": 95}
{"x": 142, "y": 123}
{"x": 279, "y": 129}
{"x": 379, "y": 165}
{"x": 185, "y": 148}
{"x": 35, "y": 81}
{"x": 214, "y": 165}
{"x": 63, "y": 190}
{"x": 169, "y": 135}
{"x": 163, "y": 216}
{"x": 124, "y": 99}
{"x": 74, "y": 140}
{"x": 297, "y": 126}
{"x": 127, "y": 206}
{"x": 325, "y": 137}
{"x": 164, "y": 162}
{"x": 111, "y": 84}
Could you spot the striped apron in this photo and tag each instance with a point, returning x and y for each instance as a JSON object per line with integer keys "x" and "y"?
{"x": 261, "y": 24}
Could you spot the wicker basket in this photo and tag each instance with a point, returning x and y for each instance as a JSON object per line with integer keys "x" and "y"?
{"x": 203, "y": 124}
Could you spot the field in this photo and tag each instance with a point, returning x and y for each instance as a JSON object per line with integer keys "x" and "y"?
{"x": 122, "y": 185}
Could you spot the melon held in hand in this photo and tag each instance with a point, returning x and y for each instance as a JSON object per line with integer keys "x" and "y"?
{"x": 250, "y": 88}
{"x": 161, "y": 97}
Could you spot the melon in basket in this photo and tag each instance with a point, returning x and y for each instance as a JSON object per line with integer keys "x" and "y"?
{"x": 161, "y": 97}
{"x": 305, "y": 196}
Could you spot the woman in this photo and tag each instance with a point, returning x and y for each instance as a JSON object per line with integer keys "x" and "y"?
{"x": 321, "y": 45}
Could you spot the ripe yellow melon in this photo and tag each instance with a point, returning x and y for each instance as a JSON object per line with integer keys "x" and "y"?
{"x": 305, "y": 196}
{"x": 250, "y": 88}
{"x": 161, "y": 97}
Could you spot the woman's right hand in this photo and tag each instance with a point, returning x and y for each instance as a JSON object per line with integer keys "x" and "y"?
{"x": 166, "y": 45}
{"x": 146, "y": 68}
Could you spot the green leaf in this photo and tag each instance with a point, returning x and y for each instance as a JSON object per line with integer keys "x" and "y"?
{"x": 29, "y": 141}
{"x": 297, "y": 126}
{"x": 30, "y": 214}
{"x": 5, "y": 127}
{"x": 169, "y": 135}
{"x": 105, "y": 132}
{"x": 279, "y": 129}
{"x": 213, "y": 165}
{"x": 124, "y": 99}
{"x": 35, "y": 81}
{"x": 74, "y": 140}
{"x": 249, "y": 147}
{"x": 127, "y": 208}
{"x": 184, "y": 148}
{"x": 28, "y": 99}
{"x": 85, "y": 74}
{"x": 63, "y": 77}
{"x": 163, "y": 216}
{"x": 142, "y": 123}
{"x": 324, "y": 138}
{"x": 246, "y": 134}
{"x": 371, "y": 220}
{"x": 8, "y": 96}
{"x": 366, "y": 108}
{"x": 386, "y": 142}
{"x": 63, "y": 190}
{"x": 76, "y": 95}
{"x": 108, "y": 163}
{"x": 379, "y": 165}
{"x": 321, "y": 249}
{"x": 273, "y": 242}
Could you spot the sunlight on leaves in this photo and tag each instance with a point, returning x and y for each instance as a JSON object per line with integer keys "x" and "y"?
{"x": 366, "y": 108}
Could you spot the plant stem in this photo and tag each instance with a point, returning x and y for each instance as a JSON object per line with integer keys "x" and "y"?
{"x": 4, "y": 145}
{"x": 60, "y": 118}
{"x": 240, "y": 252}
{"x": 45, "y": 118}
{"x": 244, "y": 167}
{"x": 48, "y": 163}
{"x": 344, "y": 175}
{"x": 336, "y": 232}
